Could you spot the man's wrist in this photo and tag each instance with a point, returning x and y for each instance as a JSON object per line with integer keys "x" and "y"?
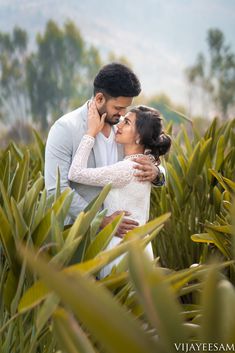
{"x": 160, "y": 178}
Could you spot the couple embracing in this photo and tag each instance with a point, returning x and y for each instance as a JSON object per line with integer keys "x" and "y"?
{"x": 99, "y": 143}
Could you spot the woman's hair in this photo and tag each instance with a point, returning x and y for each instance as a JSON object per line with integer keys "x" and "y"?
{"x": 150, "y": 130}
{"x": 116, "y": 80}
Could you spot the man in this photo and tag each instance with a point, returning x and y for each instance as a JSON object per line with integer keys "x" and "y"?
{"x": 114, "y": 88}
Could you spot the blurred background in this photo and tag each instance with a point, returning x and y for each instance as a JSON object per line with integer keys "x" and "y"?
{"x": 182, "y": 51}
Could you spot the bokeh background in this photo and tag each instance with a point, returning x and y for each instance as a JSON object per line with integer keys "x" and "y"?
{"x": 182, "y": 51}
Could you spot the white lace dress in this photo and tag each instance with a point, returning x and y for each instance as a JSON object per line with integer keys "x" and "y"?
{"x": 126, "y": 194}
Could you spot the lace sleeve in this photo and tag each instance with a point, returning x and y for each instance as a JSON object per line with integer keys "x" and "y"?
{"x": 119, "y": 174}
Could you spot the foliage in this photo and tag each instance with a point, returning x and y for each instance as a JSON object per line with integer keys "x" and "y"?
{"x": 195, "y": 192}
{"x": 14, "y": 100}
{"x": 52, "y": 300}
{"x": 45, "y": 83}
{"x": 216, "y": 76}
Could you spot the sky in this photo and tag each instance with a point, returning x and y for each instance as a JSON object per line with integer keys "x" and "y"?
{"x": 160, "y": 38}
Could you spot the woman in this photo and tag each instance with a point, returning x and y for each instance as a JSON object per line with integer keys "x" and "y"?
{"x": 140, "y": 132}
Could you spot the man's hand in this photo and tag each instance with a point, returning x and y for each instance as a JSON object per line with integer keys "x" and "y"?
{"x": 126, "y": 225}
{"x": 147, "y": 170}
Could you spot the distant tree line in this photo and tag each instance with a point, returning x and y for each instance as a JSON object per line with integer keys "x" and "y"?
{"x": 214, "y": 74}
{"x": 40, "y": 85}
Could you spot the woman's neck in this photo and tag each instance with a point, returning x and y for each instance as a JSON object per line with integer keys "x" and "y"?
{"x": 133, "y": 149}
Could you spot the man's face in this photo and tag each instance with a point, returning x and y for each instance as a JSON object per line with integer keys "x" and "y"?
{"x": 115, "y": 108}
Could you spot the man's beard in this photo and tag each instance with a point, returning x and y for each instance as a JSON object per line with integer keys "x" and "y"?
{"x": 109, "y": 120}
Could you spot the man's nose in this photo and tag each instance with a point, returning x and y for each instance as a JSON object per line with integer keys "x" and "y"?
{"x": 122, "y": 112}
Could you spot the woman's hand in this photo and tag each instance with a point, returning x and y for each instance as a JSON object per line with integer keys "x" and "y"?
{"x": 95, "y": 122}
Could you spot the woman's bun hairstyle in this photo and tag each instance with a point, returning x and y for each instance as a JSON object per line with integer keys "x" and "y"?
{"x": 150, "y": 130}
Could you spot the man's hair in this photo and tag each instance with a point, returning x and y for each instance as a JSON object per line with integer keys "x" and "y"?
{"x": 117, "y": 80}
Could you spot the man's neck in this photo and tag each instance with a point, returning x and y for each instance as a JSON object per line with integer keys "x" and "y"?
{"x": 106, "y": 130}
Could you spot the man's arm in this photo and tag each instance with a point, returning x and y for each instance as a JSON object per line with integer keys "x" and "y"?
{"x": 148, "y": 171}
{"x": 59, "y": 154}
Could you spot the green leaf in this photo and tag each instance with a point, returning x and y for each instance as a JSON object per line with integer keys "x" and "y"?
{"x": 204, "y": 152}
{"x": 20, "y": 225}
{"x": 193, "y": 165}
{"x": 70, "y": 336}
{"x": 6, "y": 171}
{"x": 175, "y": 183}
{"x": 43, "y": 229}
{"x": 103, "y": 238}
{"x": 219, "y": 155}
{"x": 6, "y": 202}
{"x": 8, "y": 242}
{"x": 202, "y": 238}
{"x": 9, "y": 290}
{"x": 95, "y": 207}
{"x": 157, "y": 298}
{"x": 20, "y": 182}
{"x": 28, "y": 202}
{"x": 123, "y": 332}
{"x": 212, "y": 310}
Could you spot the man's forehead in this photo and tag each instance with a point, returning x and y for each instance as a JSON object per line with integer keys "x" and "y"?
{"x": 122, "y": 101}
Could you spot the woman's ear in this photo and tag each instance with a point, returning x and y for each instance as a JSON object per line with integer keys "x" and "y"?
{"x": 137, "y": 139}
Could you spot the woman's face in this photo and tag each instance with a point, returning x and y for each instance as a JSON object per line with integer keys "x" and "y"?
{"x": 126, "y": 130}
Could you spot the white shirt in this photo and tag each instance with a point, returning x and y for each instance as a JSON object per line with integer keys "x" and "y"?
{"x": 107, "y": 149}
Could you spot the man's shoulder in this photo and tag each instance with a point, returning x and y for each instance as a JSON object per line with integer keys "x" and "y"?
{"x": 73, "y": 119}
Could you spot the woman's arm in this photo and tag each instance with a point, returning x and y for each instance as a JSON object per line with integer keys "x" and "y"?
{"x": 119, "y": 174}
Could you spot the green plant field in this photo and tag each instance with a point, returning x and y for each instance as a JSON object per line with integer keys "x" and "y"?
{"x": 51, "y": 300}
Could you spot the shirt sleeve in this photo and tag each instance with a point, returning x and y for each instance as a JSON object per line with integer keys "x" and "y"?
{"x": 59, "y": 154}
{"x": 119, "y": 174}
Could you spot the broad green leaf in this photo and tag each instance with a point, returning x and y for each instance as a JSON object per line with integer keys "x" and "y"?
{"x": 46, "y": 310}
{"x": 219, "y": 156}
{"x": 212, "y": 311}
{"x": 10, "y": 288}
{"x": 6, "y": 171}
{"x": 204, "y": 152}
{"x": 7, "y": 241}
{"x": 20, "y": 225}
{"x": 28, "y": 202}
{"x": 157, "y": 298}
{"x": 40, "y": 146}
{"x": 38, "y": 291}
{"x": 43, "y": 229}
{"x": 92, "y": 211}
{"x": 193, "y": 165}
{"x": 70, "y": 336}
{"x": 202, "y": 238}
{"x": 19, "y": 186}
{"x": 103, "y": 238}
{"x": 123, "y": 332}
{"x": 6, "y": 202}
{"x": 175, "y": 184}
{"x": 96, "y": 223}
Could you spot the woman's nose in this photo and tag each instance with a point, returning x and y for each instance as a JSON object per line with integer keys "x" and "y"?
{"x": 119, "y": 125}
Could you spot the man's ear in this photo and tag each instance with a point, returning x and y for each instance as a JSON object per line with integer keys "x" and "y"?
{"x": 99, "y": 98}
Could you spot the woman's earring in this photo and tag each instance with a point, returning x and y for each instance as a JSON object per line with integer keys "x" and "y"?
{"x": 137, "y": 141}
